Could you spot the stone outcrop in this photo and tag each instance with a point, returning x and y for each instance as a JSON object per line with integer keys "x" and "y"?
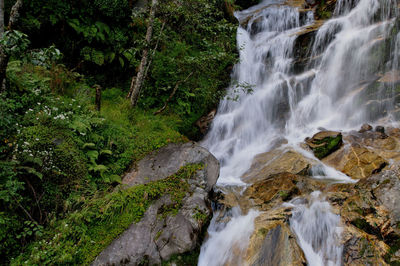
{"x": 324, "y": 143}
{"x": 275, "y": 162}
{"x": 368, "y": 209}
{"x": 168, "y": 160}
{"x": 273, "y": 243}
{"x": 371, "y": 215}
{"x": 161, "y": 234}
{"x": 366, "y": 152}
{"x": 204, "y": 122}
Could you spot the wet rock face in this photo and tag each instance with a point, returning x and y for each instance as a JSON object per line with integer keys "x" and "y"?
{"x": 365, "y": 128}
{"x": 366, "y": 152}
{"x": 273, "y": 243}
{"x": 275, "y": 162}
{"x": 161, "y": 234}
{"x": 280, "y": 188}
{"x": 371, "y": 215}
{"x": 324, "y": 143}
{"x": 369, "y": 209}
{"x": 204, "y": 122}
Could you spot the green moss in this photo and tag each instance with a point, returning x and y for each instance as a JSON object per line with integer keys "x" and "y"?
{"x": 201, "y": 216}
{"x": 158, "y": 235}
{"x": 331, "y": 145}
{"x": 80, "y": 237}
{"x": 263, "y": 232}
{"x": 186, "y": 259}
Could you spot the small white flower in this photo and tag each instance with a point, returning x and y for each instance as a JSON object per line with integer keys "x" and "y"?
{"x": 39, "y": 103}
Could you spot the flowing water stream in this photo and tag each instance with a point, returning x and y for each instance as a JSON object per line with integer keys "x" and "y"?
{"x": 333, "y": 91}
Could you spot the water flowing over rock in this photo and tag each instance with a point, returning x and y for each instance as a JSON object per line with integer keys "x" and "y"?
{"x": 311, "y": 65}
{"x": 158, "y": 236}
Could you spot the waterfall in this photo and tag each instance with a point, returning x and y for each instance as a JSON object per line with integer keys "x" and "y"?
{"x": 318, "y": 230}
{"x": 250, "y": 125}
{"x": 342, "y": 86}
{"x": 227, "y": 241}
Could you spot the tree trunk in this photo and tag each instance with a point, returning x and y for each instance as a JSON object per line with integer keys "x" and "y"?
{"x": 1, "y": 18}
{"x": 14, "y": 15}
{"x": 137, "y": 81}
{"x": 98, "y": 97}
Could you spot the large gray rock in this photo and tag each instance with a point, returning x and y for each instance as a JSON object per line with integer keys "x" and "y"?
{"x": 159, "y": 236}
{"x": 168, "y": 160}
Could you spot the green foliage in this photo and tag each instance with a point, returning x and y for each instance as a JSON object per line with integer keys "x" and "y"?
{"x": 80, "y": 237}
{"x": 57, "y": 152}
{"x": 198, "y": 42}
{"x": 58, "y": 156}
{"x": 45, "y": 57}
{"x": 14, "y": 42}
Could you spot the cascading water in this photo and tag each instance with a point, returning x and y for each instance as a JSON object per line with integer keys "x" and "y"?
{"x": 317, "y": 229}
{"x": 249, "y": 125}
{"x": 225, "y": 238}
{"x": 337, "y": 90}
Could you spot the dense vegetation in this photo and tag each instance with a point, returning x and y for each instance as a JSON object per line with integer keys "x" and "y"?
{"x": 60, "y": 158}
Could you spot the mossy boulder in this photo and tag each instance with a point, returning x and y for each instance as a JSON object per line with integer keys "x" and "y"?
{"x": 324, "y": 143}
{"x": 171, "y": 225}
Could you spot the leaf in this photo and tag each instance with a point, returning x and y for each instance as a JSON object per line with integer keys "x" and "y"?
{"x": 115, "y": 179}
{"x": 106, "y": 152}
{"x": 93, "y": 156}
{"x": 89, "y": 146}
{"x": 121, "y": 61}
{"x": 32, "y": 171}
{"x": 99, "y": 168}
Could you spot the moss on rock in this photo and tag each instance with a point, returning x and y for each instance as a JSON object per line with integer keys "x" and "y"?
{"x": 324, "y": 143}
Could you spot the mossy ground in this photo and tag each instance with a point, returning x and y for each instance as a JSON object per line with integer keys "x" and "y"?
{"x": 79, "y": 238}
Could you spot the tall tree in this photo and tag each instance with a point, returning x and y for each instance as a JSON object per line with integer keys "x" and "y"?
{"x": 1, "y": 18}
{"x": 137, "y": 82}
{"x": 14, "y": 16}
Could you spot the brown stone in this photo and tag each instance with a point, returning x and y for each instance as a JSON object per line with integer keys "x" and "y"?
{"x": 365, "y": 127}
{"x": 279, "y": 188}
{"x": 272, "y": 242}
{"x": 204, "y": 122}
{"x": 275, "y": 162}
{"x": 324, "y": 143}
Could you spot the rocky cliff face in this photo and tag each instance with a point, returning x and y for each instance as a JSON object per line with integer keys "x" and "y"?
{"x": 168, "y": 227}
{"x": 369, "y": 211}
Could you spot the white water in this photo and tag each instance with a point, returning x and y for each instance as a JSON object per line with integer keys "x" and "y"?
{"x": 317, "y": 229}
{"x": 330, "y": 93}
{"x": 227, "y": 239}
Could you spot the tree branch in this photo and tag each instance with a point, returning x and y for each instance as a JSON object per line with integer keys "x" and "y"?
{"x": 172, "y": 94}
